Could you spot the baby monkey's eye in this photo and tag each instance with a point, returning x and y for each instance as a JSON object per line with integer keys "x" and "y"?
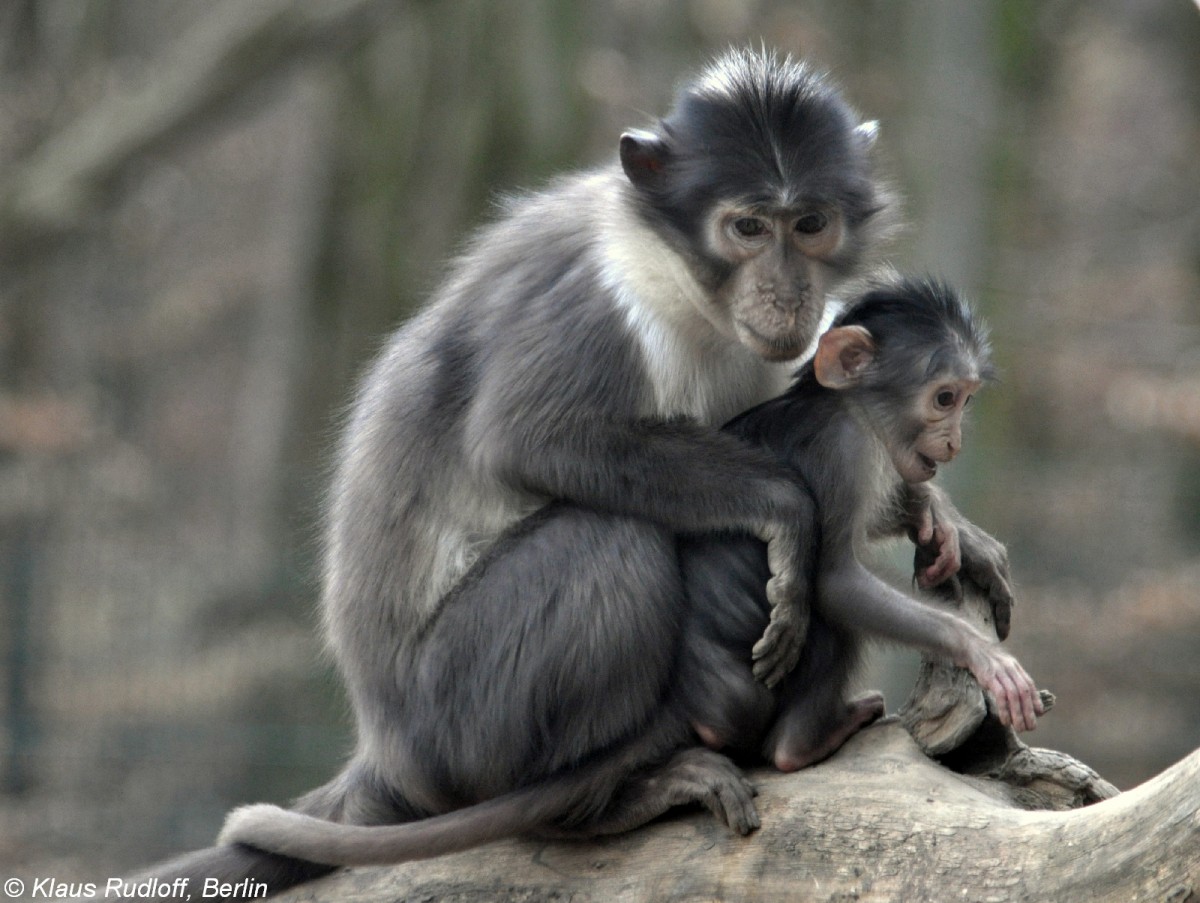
{"x": 750, "y": 227}
{"x": 812, "y": 223}
{"x": 945, "y": 398}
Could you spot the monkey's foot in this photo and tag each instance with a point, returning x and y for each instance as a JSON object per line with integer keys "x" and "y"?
{"x": 791, "y": 753}
{"x": 702, "y": 776}
{"x": 693, "y": 775}
{"x": 777, "y": 652}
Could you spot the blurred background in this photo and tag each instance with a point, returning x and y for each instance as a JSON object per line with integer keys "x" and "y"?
{"x": 211, "y": 212}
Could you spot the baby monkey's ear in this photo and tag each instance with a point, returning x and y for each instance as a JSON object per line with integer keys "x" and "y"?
{"x": 842, "y": 355}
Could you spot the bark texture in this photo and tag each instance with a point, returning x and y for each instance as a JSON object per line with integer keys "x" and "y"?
{"x": 879, "y": 821}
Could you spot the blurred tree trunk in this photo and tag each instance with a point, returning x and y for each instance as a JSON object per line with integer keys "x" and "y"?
{"x": 209, "y": 69}
{"x": 162, "y": 200}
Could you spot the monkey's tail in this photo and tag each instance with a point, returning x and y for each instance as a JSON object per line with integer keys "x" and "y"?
{"x": 315, "y": 840}
{"x": 231, "y": 872}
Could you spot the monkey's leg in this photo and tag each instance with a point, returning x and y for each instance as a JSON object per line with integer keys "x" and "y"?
{"x": 693, "y": 775}
{"x": 815, "y": 719}
{"x": 725, "y": 705}
{"x": 727, "y": 611}
{"x": 800, "y": 738}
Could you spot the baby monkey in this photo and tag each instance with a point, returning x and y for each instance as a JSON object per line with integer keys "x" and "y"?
{"x": 865, "y": 427}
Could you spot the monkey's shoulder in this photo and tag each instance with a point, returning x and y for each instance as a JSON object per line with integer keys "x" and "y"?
{"x": 535, "y": 230}
{"x": 798, "y": 423}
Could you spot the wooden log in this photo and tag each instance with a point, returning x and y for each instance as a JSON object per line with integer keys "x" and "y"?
{"x": 879, "y": 821}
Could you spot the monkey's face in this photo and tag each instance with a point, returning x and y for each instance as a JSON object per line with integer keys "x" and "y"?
{"x": 935, "y": 436}
{"x": 777, "y": 266}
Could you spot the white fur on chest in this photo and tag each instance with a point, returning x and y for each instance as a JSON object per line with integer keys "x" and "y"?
{"x": 697, "y": 367}
{"x": 708, "y": 382}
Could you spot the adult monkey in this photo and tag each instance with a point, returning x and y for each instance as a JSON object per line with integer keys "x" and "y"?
{"x": 586, "y": 347}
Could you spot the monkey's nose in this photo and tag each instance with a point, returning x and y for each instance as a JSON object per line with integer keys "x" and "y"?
{"x": 953, "y": 441}
{"x": 786, "y": 304}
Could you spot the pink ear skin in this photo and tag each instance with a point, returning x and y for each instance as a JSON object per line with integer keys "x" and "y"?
{"x": 842, "y": 355}
{"x": 643, "y": 156}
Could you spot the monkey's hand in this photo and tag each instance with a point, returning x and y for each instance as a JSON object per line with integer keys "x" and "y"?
{"x": 1012, "y": 695}
{"x": 985, "y": 563}
{"x": 777, "y": 652}
{"x": 982, "y": 559}
{"x": 938, "y": 556}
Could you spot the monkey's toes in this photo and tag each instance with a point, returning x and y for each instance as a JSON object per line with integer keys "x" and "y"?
{"x": 733, "y": 803}
{"x": 712, "y": 780}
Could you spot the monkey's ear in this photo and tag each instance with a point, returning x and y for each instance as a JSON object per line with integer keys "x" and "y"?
{"x": 643, "y": 156}
{"x": 866, "y": 133}
{"x": 842, "y": 355}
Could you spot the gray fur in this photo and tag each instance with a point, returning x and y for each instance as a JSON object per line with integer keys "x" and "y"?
{"x": 612, "y": 654}
{"x": 838, "y": 443}
{"x": 585, "y": 347}
{"x": 582, "y": 349}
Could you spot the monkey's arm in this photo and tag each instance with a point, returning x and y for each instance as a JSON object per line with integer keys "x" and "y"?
{"x": 688, "y": 477}
{"x": 852, "y": 596}
{"x": 984, "y": 560}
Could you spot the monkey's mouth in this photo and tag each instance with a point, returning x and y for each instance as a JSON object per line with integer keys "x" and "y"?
{"x": 785, "y": 347}
{"x": 929, "y": 464}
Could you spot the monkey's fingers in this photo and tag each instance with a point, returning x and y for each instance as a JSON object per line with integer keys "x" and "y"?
{"x": 1022, "y": 711}
{"x": 1000, "y": 596}
{"x": 998, "y": 702}
{"x": 1002, "y": 606}
{"x": 1017, "y": 701}
{"x": 948, "y": 557}
{"x": 985, "y": 563}
{"x": 1031, "y": 699}
{"x": 775, "y": 655}
{"x": 943, "y": 568}
{"x": 733, "y": 803}
{"x": 743, "y": 818}
{"x": 924, "y": 527}
{"x": 778, "y": 650}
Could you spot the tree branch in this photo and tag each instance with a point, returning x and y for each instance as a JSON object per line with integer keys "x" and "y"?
{"x": 880, "y": 821}
{"x": 204, "y": 73}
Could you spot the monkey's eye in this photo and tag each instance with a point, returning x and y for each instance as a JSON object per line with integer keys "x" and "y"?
{"x": 945, "y": 398}
{"x": 967, "y": 403}
{"x": 750, "y": 227}
{"x": 812, "y": 223}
